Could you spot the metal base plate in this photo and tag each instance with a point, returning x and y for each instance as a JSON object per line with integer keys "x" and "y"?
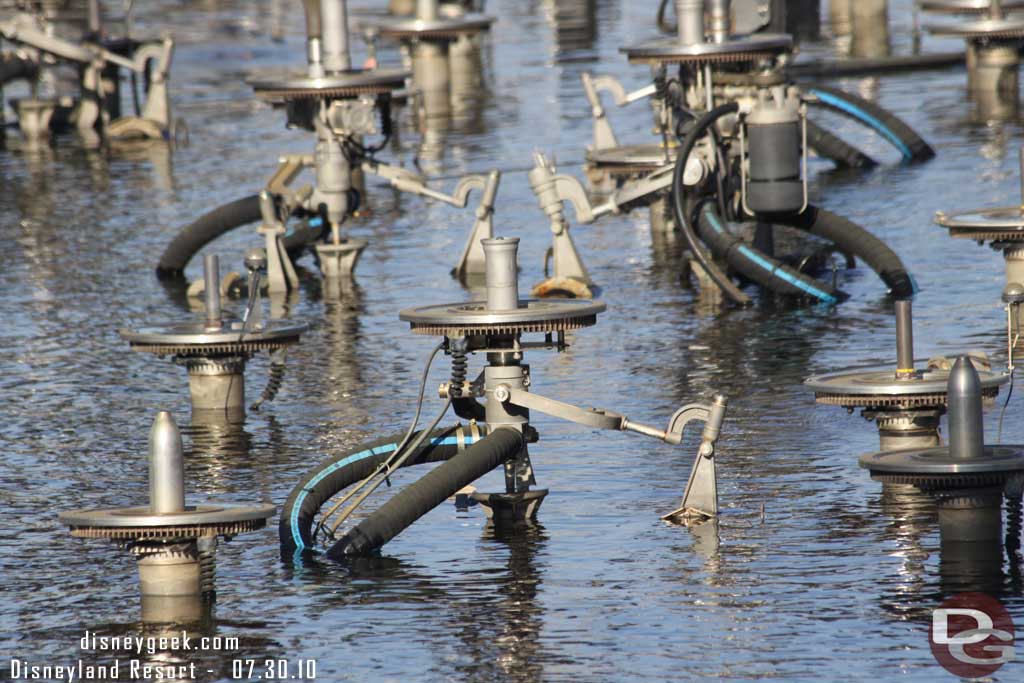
{"x": 999, "y": 224}
{"x": 735, "y": 49}
{"x": 964, "y": 6}
{"x": 140, "y": 522}
{"x": 934, "y": 468}
{"x": 983, "y": 28}
{"x": 631, "y": 159}
{"x": 880, "y": 388}
{"x": 473, "y": 318}
{"x": 192, "y": 338}
{"x": 438, "y": 28}
{"x": 296, "y": 85}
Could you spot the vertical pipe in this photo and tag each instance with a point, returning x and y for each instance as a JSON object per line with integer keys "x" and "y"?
{"x": 314, "y": 32}
{"x": 211, "y": 291}
{"x": 501, "y": 273}
{"x": 904, "y": 340}
{"x": 426, "y": 10}
{"x": 690, "y": 21}
{"x": 966, "y": 429}
{"x": 995, "y": 9}
{"x": 166, "y": 466}
{"x": 334, "y": 25}
{"x": 1021, "y": 157}
{"x": 719, "y": 14}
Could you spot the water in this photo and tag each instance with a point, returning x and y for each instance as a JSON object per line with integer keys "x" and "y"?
{"x": 815, "y": 574}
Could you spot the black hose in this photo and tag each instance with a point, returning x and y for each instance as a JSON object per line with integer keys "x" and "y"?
{"x": 12, "y": 68}
{"x": 911, "y": 145}
{"x": 222, "y": 220}
{"x": 758, "y": 266}
{"x": 831, "y": 147}
{"x": 854, "y": 239}
{"x": 335, "y": 474}
{"x": 415, "y": 500}
{"x": 682, "y": 216}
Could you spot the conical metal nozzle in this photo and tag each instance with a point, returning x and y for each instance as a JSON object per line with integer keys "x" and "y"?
{"x": 166, "y": 466}
{"x": 966, "y": 428}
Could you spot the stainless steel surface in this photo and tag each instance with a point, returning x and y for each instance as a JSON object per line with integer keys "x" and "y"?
{"x": 501, "y": 273}
{"x": 533, "y": 315}
{"x": 984, "y": 224}
{"x": 966, "y": 428}
{"x": 690, "y": 21}
{"x": 882, "y": 383}
{"x": 1008, "y": 28}
{"x": 166, "y": 466}
{"x": 965, "y": 6}
{"x": 288, "y": 84}
{"x": 144, "y": 519}
{"x": 904, "y": 340}
{"x": 736, "y": 48}
{"x": 211, "y": 290}
{"x": 435, "y": 28}
{"x": 185, "y": 335}
{"x": 334, "y": 37}
{"x": 938, "y": 461}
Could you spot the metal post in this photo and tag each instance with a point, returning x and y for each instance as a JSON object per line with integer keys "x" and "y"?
{"x": 314, "y": 33}
{"x": 690, "y": 21}
{"x": 166, "y": 466}
{"x": 904, "y": 341}
{"x": 718, "y": 10}
{"x": 426, "y": 10}
{"x": 870, "y": 28}
{"x": 211, "y": 292}
{"x": 501, "y": 273}
{"x": 966, "y": 430}
{"x": 334, "y": 18}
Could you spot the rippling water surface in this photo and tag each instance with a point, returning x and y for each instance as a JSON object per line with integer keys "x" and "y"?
{"x": 814, "y": 575}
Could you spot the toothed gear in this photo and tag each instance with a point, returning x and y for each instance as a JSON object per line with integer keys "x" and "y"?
{"x": 533, "y": 315}
{"x": 880, "y": 388}
{"x": 300, "y": 86}
{"x": 202, "y": 365}
{"x": 1002, "y": 224}
{"x": 138, "y": 523}
{"x": 936, "y": 469}
{"x": 1010, "y": 28}
{"x": 734, "y": 50}
{"x": 193, "y": 531}
{"x": 965, "y": 6}
{"x": 437, "y": 29}
{"x": 192, "y": 338}
{"x": 146, "y": 548}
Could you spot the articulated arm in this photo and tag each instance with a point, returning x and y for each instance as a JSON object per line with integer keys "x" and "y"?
{"x": 604, "y": 137}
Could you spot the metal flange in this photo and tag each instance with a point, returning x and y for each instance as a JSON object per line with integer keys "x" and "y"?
{"x": 439, "y": 29}
{"x": 736, "y": 49}
{"x": 474, "y": 318}
{"x": 140, "y": 522}
{"x": 194, "y": 339}
{"x": 997, "y": 224}
{"x": 965, "y": 6}
{"x": 298, "y": 85}
{"x": 879, "y": 388}
{"x": 993, "y": 29}
{"x": 936, "y": 469}
{"x": 631, "y": 159}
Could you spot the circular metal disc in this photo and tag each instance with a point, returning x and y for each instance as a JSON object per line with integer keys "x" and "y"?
{"x": 142, "y": 516}
{"x": 964, "y": 6}
{"x": 533, "y": 315}
{"x": 438, "y": 28}
{"x": 883, "y": 382}
{"x": 632, "y": 158}
{"x": 736, "y": 48}
{"x": 982, "y": 28}
{"x": 937, "y": 460}
{"x": 1003, "y": 223}
{"x": 297, "y": 84}
{"x": 194, "y": 333}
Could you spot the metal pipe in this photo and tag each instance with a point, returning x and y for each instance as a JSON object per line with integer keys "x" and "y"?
{"x": 426, "y": 10}
{"x": 501, "y": 274}
{"x": 314, "y": 33}
{"x": 904, "y": 340}
{"x": 334, "y": 25}
{"x": 166, "y": 466}
{"x": 719, "y": 13}
{"x": 966, "y": 429}
{"x": 211, "y": 291}
{"x": 1021, "y": 157}
{"x": 995, "y": 9}
{"x": 690, "y": 21}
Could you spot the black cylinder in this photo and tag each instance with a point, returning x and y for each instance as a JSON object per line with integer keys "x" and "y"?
{"x": 775, "y": 154}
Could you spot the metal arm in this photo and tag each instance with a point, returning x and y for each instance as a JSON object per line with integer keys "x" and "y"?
{"x": 604, "y": 136}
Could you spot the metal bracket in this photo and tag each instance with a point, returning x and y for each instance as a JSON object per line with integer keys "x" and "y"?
{"x": 604, "y": 136}
{"x": 551, "y": 190}
{"x": 281, "y": 276}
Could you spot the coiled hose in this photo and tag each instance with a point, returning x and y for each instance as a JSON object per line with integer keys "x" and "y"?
{"x": 423, "y": 495}
{"x": 330, "y": 477}
{"x": 911, "y": 145}
{"x": 220, "y": 221}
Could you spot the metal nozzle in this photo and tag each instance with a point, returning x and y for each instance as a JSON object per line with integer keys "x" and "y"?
{"x": 966, "y": 428}
{"x": 334, "y": 45}
{"x": 716, "y": 416}
{"x": 904, "y": 340}
{"x": 501, "y": 274}
{"x": 211, "y": 278}
{"x": 426, "y": 10}
{"x": 166, "y": 466}
{"x": 256, "y": 259}
{"x": 690, "y": 21}
{"x": 718, "y": 10}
